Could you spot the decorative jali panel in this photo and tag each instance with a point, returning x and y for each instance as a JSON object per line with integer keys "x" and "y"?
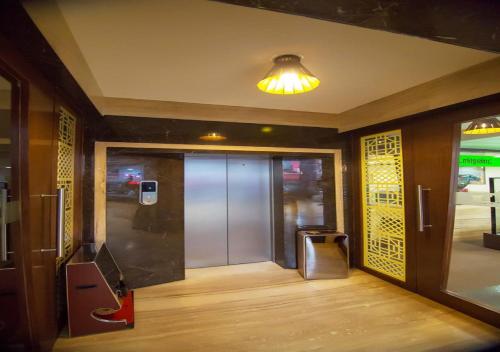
{"x": 383, "y": 204}
{"x": 66, "y": 173}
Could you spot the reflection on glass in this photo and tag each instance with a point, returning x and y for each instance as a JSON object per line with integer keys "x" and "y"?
{"x": 475, "y": 258}
{"x": 308, "y": 194}
{"x": 146, "y": 240}
{"x": 10, "y": 332}
{"x": 302, "y": 191}
{"x": 123, "y": 181}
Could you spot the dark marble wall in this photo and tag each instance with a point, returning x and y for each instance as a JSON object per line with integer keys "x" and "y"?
{"x": 158, "y": 130}
{"x": 147, "y": 241}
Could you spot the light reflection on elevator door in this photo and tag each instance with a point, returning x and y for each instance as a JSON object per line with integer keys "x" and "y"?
{"x": 249, "y": 209}
{"x": 205, "y": 210}
{"x": 227, "y": 209}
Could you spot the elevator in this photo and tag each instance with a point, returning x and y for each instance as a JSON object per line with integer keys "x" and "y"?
{"x": 167, "y": 210}
{"x": 227, "y": 208}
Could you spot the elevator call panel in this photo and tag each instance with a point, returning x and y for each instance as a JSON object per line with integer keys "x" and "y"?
{"x": 148, "y": 192}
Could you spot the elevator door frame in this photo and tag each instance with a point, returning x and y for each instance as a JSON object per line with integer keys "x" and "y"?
{"x": 101, "y": 160}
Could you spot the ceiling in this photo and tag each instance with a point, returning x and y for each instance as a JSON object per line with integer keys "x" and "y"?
{"x": 205, "y": 52}
{"x": 467, "y": 23}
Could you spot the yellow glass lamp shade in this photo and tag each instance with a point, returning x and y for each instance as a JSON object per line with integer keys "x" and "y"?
{"x": 483, "y": 126}
{"x": 212, "y": 137}
{"x": 288, "y": 76}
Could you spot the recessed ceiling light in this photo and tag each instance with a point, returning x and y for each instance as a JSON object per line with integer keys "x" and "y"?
{"x": 288, "y": 76}
{"x": 213, "y": 137}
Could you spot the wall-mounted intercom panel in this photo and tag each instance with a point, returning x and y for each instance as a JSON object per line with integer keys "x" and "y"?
{"x": 148, "y": 192}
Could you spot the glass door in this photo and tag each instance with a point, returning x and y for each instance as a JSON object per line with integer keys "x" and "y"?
{"x": 11, "y": 311}
{"x": 474, "y": 266}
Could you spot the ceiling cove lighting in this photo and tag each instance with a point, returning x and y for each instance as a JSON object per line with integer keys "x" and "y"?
{"x": 483, "y": 126}
{"x": 288, "y": 76}
{"x": 212, "y": 137}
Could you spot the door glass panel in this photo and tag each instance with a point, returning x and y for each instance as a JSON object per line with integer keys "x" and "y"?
{"x": 383, "y": 204}
{"x": 10, "y": 303}
{"x": 475, "y": 249}
{"x": 302, "y": 191}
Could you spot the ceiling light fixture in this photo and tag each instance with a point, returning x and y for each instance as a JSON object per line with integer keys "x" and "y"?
{"x": 483, "y": 126}
{"x": 288, "y": 76}
{"x": 212, "y": 137}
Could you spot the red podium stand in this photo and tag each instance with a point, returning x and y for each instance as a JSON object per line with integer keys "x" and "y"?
{"x": 98, "y": 300}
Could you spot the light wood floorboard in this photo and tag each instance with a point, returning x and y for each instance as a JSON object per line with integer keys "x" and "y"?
{"x": 262, "y": 307}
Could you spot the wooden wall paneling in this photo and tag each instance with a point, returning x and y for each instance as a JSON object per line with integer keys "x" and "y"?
{"x": 42, "y": 165}
{"x": 24, "y": 51}
{"x": 25, "y": 48}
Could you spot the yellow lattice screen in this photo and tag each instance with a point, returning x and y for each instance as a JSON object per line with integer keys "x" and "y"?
{"x": 66, "y": 173}
{"x": 383, "y": 204}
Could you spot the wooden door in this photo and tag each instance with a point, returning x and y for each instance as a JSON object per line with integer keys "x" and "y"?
{"x": 432, "y": 158}
{"x": 435, "y": 144}
{"x": 426, "y": 147}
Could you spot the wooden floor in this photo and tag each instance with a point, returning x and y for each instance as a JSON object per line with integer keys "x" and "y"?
{"x": 262, "y": 307}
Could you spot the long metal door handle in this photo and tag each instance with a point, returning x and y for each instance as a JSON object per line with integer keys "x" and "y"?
{"x": 60, "y": 222}
{"x": 420, "y": 208}
{"x": 3, "y": 225}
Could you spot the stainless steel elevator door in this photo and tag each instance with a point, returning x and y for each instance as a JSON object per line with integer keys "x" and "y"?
{"x": 205, "y": 209}
{"x": 249, "y": 209}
